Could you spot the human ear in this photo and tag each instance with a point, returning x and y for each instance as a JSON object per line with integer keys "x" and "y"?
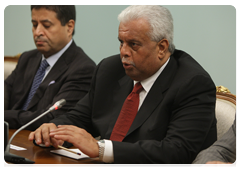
{"x": 163, "y": 48}
{"x": 70, "y": 26}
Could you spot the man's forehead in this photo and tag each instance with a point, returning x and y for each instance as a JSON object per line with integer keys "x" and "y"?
{"x": 134, "y": 28}
{"x": 43, "y": 14}
{"x": 140, "y": 24}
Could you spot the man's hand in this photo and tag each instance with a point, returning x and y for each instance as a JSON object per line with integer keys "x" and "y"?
{"x": 41, "y": 135}
{"x": 80, "y": 138}
{"x": 219, "y": 164}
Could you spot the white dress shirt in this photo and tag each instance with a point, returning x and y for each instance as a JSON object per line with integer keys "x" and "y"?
{"x": 147, "y": 85}
{"x": 54, "y": 58}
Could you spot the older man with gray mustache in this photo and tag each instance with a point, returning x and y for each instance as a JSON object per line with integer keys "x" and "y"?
{"x": 150, "y": 104}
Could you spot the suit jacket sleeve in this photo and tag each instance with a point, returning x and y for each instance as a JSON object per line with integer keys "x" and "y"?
{"x": 80, "y": 115}
{"x": 223, "y": 150}
{"x": 73, "y": 86}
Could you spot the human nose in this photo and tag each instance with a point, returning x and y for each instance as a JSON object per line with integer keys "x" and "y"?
{"x": 124, "y": 50}
{"x": 38, "y": 31}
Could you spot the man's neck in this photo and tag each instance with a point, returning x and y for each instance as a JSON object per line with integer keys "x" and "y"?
{"x": 60, "y": 51}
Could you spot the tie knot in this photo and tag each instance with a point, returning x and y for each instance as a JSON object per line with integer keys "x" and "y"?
{"x": 137, "y": 88}
{"x": 44, "y": 65}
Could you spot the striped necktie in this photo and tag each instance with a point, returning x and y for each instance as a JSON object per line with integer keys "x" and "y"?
{"x": 36, "y": 82}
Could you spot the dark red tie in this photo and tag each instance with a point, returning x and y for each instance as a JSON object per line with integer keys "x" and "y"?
{"x": 127, "y": 114}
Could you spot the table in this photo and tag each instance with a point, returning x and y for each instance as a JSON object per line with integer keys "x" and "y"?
{"x": 42, "y": 155}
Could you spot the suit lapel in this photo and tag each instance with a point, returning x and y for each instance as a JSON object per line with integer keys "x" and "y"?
{"x": 121, "y": 91}
{"x": 33, "y": 64}
{"x": 155, "y": 95}
{"x": 58, "y": 69}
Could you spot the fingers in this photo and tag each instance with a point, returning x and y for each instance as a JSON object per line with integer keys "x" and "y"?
{"x": 45, "y": 135}
{"x": 35, "y": 136}
{"x": 56, "y": 142}
{"x": 63, "y": 133}
{"x": 80, "y": 138}
{"x": 31, "y": 136}
{"x": 49, "y": 134}
{"x": 41, "y": 135}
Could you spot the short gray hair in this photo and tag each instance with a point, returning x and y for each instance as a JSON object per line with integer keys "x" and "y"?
{"x": 158, "y": 17}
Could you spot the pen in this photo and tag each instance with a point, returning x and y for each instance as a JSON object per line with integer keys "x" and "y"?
{"x": 61, "y": 147}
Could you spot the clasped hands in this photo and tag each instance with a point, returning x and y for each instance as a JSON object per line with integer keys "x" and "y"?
{"x": 49, "y": 133}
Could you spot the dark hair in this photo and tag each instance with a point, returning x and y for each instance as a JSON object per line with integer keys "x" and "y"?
{"x": 64, "y": 12}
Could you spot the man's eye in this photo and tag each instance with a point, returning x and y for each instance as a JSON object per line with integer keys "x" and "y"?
{"x": 134, "y": 44}
{"x": 46, "y": 26}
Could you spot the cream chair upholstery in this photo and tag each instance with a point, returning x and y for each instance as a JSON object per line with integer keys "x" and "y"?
{"x": 225, "y": 110}
{"x": 10, "y": 63}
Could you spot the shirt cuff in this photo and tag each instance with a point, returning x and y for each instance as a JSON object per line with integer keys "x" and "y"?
{"x": 108, "y": 152}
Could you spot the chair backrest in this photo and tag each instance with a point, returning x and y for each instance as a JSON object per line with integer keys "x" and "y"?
{"x": 225, "y": 110}
{"x": 10, "y": 63}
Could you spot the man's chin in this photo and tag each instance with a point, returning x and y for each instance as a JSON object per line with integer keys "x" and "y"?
{"x": 45, "y": 52}
{"x": 41, "y": 48}
{"x": 133, "y": 76}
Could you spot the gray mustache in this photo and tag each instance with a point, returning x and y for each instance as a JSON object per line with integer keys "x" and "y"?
{"x": 124, "y": 60}
{"x": 40, "y": 39}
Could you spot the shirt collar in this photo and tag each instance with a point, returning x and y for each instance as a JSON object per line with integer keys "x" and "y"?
{"x": 147, "y": 83}
{"x": 53, "y": 58}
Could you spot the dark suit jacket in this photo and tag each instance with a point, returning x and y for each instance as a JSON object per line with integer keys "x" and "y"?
{"x": 175, "y": 121}
{"x": 72, "y": 74}
{"x": 223, "y": 150}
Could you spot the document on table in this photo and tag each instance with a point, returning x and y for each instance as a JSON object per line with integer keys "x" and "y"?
{"x": 17, "y": 147}
{"x": 69, "y": 154}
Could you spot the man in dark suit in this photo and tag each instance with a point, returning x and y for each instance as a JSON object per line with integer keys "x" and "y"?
{"x": 67, "y": 76}
{"x": 176, "y": 104}
{"x": 223, "y": 151}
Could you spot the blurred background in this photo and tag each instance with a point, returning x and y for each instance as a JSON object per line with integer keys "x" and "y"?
{"x": 206, "y": 32}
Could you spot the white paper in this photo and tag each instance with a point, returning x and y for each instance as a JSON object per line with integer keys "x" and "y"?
{"x": 70, "y": 154}
{"x": 17, "y": 147}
